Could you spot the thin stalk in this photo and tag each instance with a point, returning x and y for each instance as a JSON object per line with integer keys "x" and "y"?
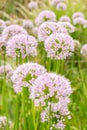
{"x": 17, "y": 107}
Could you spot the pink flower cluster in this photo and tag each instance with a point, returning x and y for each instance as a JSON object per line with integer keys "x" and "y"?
{"x": 25, "y": 75}
{"x": 48, "y": 28}
{"x": 65, "y": 19}
{"x": 84, "y": 50}
{"x": 44, "y": 16}
{"x": 69, "y": 27}
{"x": 61, "y": 6}
{"x": 78, "y": 18}
{"x": 2, "y": 25}
{"x": 27, "y": 24}
{"x": 33, "y": 5}
{"x": 52, "y": 91}
{"x": 22, "y": 44}
{"x": 59, "y": 46}
{"x": 6, "y": 70}
{"x": 12, "y": 30}
{"x": 3, "y": 123}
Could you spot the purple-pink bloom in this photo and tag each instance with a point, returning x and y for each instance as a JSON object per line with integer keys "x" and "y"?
{"x": 59, "y": 46}
{"x": 22, "y": 44}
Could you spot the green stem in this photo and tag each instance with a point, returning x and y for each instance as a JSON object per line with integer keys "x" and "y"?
{"x": 16, "y": 124}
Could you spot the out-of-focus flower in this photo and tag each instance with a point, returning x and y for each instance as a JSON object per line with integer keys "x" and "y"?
{"x": 69, "y": 27}
{"x": 84, "y": 50}
{"x": 2, "y": 25}
{"x": 22, "y": 44}
{"x": 55, "y": 2}
{"x": 52, "y": 91}
{"x": 48, "y": 28}
{"x": 65, "y": 19}
{"x": 77, "y": 15}
{"x": 79, "y": 20}
{"x": 59, "y": 46}
{"x": 44, "y": 16}
{"x": 4, "y": 123}
{"x": 27, "y": 24}
{"x": 12, "y": 30}
{"x": 6, "y": 71}
{"x": 25, "y": 75}
{"x": 33, "y": 5}
{"x": 61, "y": 6}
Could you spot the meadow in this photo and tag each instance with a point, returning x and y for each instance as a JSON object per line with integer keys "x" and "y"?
{"x": 43, "y": 65}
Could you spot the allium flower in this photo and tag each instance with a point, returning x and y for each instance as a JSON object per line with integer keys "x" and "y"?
{"x": 55, "y": 2}
{"x": 44, "y": 16}
{"x": 2, "y": 43}
{"x": 6, "y": 70}
{"x": 59, "y": 46}
{"x": 2, "y": 25}
{"x": 33, "y": 5}
{"x": 69, "y": 27}
{"x": 12, "y": 30}
{"x": 48, "y": 28}
{"x": 85, "y": 24}
{"x": 61, "y": 6}
{"x": 77, "y": 15}
{"x": 84, "y": 50}
{"x": 52, "y": 91}
{"x": 22, "y": 44}
{"x": 65, "y": 19}
{"x": 3, "y": 123}
{"x": 27, "y": 24}
{"x": 79, "y": 20}
{"x": 25, "y": 75}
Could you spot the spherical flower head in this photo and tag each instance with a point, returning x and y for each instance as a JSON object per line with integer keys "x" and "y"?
{"x": 22, "y": 44}
{"x": 59, "y": 46}
{"x": 84, "y": 50}
{"x": 61, "y": 6}
{"x": 4, "y": 122}
{"x": 48, "y": 28}
{"x": 69, "y": 27}
{"x": 55, "y": 2}
{"x": 65, "y": 19}
{"x": 33, "y": 5}
{"x": 79, "y": 20}
{"x": 27, "y": 24}
{"x": 85, "y": 24}
{"x": 12, "y": 30}
{"x": 77, "y": 15}
{"x": 6, "y": 70}
{"x": 44, "y": 16}
{"x": 52, "y": 91}
{"x": 2, "y": 25}
{"x": 25, "y": 75}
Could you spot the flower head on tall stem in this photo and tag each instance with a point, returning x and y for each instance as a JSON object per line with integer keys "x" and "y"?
{"x": 44, "y": 16}
{"x": 52, "y": 91}
{"x": 48, "y": 28}
{"x": 12, "y": 30}
{"x": 25, "y": 74}
{"x": 23, "y": 44}
{"x": 59, "y": 46}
